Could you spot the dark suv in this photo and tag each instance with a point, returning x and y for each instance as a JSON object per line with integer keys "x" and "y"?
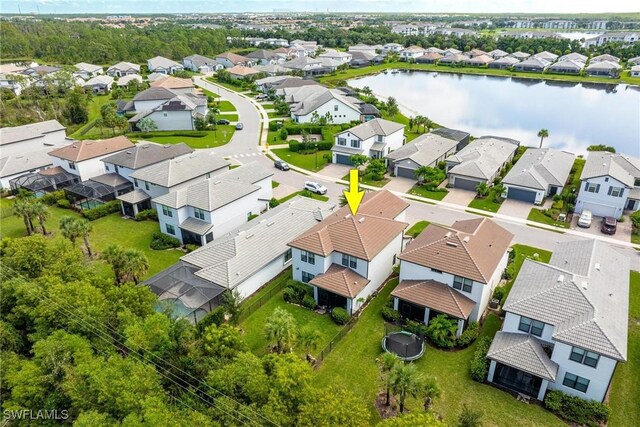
{"x": 609, "y": 225}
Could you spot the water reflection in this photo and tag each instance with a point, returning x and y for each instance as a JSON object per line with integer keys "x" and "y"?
{"x": 576, "y": 115}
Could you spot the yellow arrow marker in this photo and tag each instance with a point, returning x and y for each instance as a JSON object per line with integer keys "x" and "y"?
{"x": 353, "y": 196}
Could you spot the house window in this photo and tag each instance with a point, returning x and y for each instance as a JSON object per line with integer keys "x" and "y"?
{"x": 307, "y": 277}
{"x": 135, "y": 182}
{"x": 165, "y": 114}
{"x": 462, "y": 284}
{"x": 531, "y": 326}
{"x": 591, "y": 187}
{"x": 288, "y": 255}
{"x": 616, "y": 191}
{"x": 117, "y": 171}
{"x": 575, "y": 382}
{"x": 379, "y": 138}
{"x": 170, "y": 229}
{"x": 585, "y": 357}
{"x": 308, "y": 257}
{"x": 355, "y": 143}
{"x": 106, "y": 167}
{"x": 209, "y": 237}
{"x": 636, "y": 183}
{"x": 166, "y": 211}
{"x": 198, "y": 213}
{"x": 335, "y": 107}
{"x": 436, "y": 271}
{"x": 72, "y": 165}
{"x": 342, "y": 141}
{"x": 146, "y": 185}
{"x": 349, "y": 261}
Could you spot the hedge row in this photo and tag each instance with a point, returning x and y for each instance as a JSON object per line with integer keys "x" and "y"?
{"x": 580, "y": 411}
{"x": 108, "y": 208}
{"x": 295, "y": 146}
{"x": 190, "y": 134}
{"x": 479, "y": 361}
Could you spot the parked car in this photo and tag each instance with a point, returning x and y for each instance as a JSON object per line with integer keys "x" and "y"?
{"x": 609, "y": 225}
{"x": 261, "y": 96}
{"x": 585, "y": 219}
{"x": 239, "y": 126}
{"x": 279, "y": 164}
{"x": 314, "y": 187}
{"x": 223, "y": 122}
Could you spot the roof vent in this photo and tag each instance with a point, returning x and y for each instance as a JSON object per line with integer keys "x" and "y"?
{"x": 452, "y": 244}
{"x": 347, "y": 216}
{"x": 561, "y": 278}
{"x": 447, "y": 234}
{"x": 269, "y": 224}
{"x": 249, "y": 236}
{"x": 597, "y": 266}
{"x": 361, "y": 220}
{"x": 585, "y": 284}
{"x": 466, "y": 239}
{"x": 217, "y": 182}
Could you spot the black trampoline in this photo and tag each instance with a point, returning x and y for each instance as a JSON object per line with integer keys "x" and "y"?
{"x": 406, "y": 345}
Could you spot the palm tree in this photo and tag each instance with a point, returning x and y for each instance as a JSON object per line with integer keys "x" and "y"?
{"x": 308, "y": 338}
{"x": 482, "y": 189}
{"x": 114, "y": 255}
{"x": 342, "y": 200}
{"x": 427, "y": 124}
{"x": 135, "y": 265}
{"x": 84, "y": 228}
{"x": 421, "y": 173}
{"x": 498, "y": 189}
{"x": 280, "y": 328}
{"x": 40, "y": 211}
{"x": 386, "y": 363}
{"x": 405, "y": 381}
{"x": 543, "y": 133}
{"x": 411, "y": 123}
{"x": 431, "y": 392}
{"x": 69, "y": 228}
{"x": 418, "y": 122}
{"x": 24, "y": 208}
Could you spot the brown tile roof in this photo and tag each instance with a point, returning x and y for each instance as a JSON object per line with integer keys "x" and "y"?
{"x": 435, "y": 295}
{"x": 241, "y": 70}
{"x": 471, "y": 248}
{"x": 233, "y": 57}
{"x": 173, "y": 83}
{"x": 340, "y": 280}
{"x": 88, "y": 149}
{"x": 362, "y": 236}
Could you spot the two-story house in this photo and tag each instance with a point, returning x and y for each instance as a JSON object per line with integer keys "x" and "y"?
{"x": 168, "y": 109}
{"x": 452, "y": 271}
{"x": 566, "y": 323}
{"x": 609, "y": 184}
{"x": 346, "y": 257}
{"x": 323, "y": 102}
{"x": 411, "y": 53}
{"x": 162, "y": 65}
{"x": 201, "y": 64}
{"x": 375, "y": 138}
{"x": 208, "y": 209}
{"x": 230, "y": 60}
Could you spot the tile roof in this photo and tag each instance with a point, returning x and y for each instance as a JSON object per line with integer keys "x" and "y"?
{"x": 507, "y": 60}
{"x": 173, "y": 83}
{"x": 154, "y": 93}
{"x": 362, "y": 236}
{"x": 471, "y": 248}
{"x": 147, "y": 153}
{"x": 604, "y": 57}
{"x": 425, "y": 149}
{"x": 318, "y": 98}
{"x": 181, "y": 169}
{"x": 24, "y": 162}
{"x": 134, "y": 196}
{"x": 199, "y": 60}
{"x": 99, "y": 80}
{"x": 340, "y": 280}
{"x": 567, "y": 64}
{"x": 575, "y": 56}
{"x": 480, "y": 59}
{"x": 604, "y": 66}
{"x": 10, "y": 135}
{"x": 524, "y": 352}
{"x": 123, "y": 66}
{"x": 111, "y": 179}
{"x": 89, "y": 149}
{"x": 533, "y": 62}
{"x": 241, "y": 70}
{"x": 618, "y": 166}
{"x": 374, "y": 127}
{"x": 483, "y": 157}
{"x": 233, "y": 57}
{"x": 90, "y": 68}
{"x": 435, "y": 295}
{"x": 541, "y": 167}
{"x": 520, "y": 55}
{"x": 548, "y": 56}
{"x": 583, "y": 293}
{"x": 162, "y": 62}
{"x": 125, "y": 80}
{"x": 196, "y": 226}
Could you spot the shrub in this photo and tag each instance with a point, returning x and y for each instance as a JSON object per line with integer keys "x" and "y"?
{"x": 273, "y": 126}
{"x": 442, "y": 331}
{"x": 339, "y": 315}
{"x": 53, "y": 197}
{"x": 298, "y": 129}
{"x": 306, "y": 193}
{"x": 252, "y": 216}
{"x": 389, "y": 314}
{"x": 214, "y": 317}
{"x": 295, "y": 292}
{"x": 499, "y": 293}
{"x": 63, "y": 203}
{"x": 273, "y": 202}
{"x": 570, "y": 199}
{"x": 479, "y": 362}
{"x": 580, "y": 411}
{"x": 102, "y": 210}
{"x": 284, "y": 134}
{"x": 295, "y": 146}
{"x": 469, "y": 335}
{"x": 510, "y": 271}
{"x": 309, "y": 302}
{"x": 417, "y": 328}
{"x": 635, "y": 221}
{"x": 147, "y": 214}
{"x": 160, "y": 241}
{"x": 190, "y": 247}
{"x": 183, "y": 133}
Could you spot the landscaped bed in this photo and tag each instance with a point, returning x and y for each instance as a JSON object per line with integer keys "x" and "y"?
{"x": 417, "y": 228}
{"x": 366, "y": 180}
{"x": 538, "y": 215}
{"x": 194, "y": 139}
{"x": 312, "y": 162}
{"x": 304, "y": 193}
{"x": 422, "y": 191}
{"x": 485, "y": 203}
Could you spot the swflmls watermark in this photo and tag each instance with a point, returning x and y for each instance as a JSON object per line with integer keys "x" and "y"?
{"x": 39, "y": 414}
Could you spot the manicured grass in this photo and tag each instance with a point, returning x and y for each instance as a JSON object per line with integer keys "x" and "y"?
{"x": 273, "y": 138}
{"x": 578, "y": 164}
{"x": 300, "y": 193}
{"x": 420, "y": 190}
{"x": 267, "y": 105}
{"x": 635, "y": 239}
{"x": 538, "y": 216}
{"x": 216, "y": 138}
{"x": 625, "y": 388}
{"x": 417, "y": 228}
{"x": 273, "y": 115}
{"x": 520, "y": 253}
{"x": 312, "y": 162}
{"x": 363, "y": 179}
{"x": 209, "y": 93}
{"x": 227, "y": 85}
{"x": 94, "y": 113}
{"x": 485, "y": 203}
{"x": 225, "y": 106}
{"x": 111, "y": 229}
{"x": 232, "y": 117}
{"x": 274, "y": 184}
{"x": 352, "y": 365}
{"x": 401, "y": 118}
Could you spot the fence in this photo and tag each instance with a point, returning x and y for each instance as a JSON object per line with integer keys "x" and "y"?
{"x": 253, "y": 305}
{"x": 335, "y": 340}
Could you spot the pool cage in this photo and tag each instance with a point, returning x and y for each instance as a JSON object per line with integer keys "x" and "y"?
{"x": 183, "y": 293}
{"x": 406, "y": 345}
{"x": 98, "y": 190}
{"x": 44, "y": 181}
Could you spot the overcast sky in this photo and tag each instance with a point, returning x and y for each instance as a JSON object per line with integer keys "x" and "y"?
{"x": 422, "y": 6}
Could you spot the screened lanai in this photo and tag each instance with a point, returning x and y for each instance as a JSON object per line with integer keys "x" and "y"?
{"x": 97, "y": 190}
{"x": 40, "y": 182}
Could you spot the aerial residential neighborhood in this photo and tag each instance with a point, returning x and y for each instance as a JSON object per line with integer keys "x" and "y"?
{"x": 358, "y": 215}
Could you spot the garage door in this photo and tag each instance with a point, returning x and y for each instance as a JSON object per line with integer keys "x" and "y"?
{"x": 465, "y": 184}
{"x": 406, "y": 173}
{"x": 599, "y": 210}
{"x": 342, "y": 159}
{"x": 520, "y": 194}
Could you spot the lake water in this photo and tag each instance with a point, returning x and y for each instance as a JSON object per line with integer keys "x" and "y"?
{"x": 576, "y": 114}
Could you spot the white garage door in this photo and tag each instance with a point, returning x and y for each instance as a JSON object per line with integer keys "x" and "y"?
{"x": 599, "y": 210}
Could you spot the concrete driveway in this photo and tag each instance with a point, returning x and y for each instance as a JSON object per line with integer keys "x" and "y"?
{"x": 623, "y": 232}
{"x": 400, "y": 184}
{"x": 335, "y": 171}
{"x": 460, "y": 197}
{"x": 515, "y": 208}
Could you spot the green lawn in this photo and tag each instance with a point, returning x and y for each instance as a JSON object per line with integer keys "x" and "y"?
{"x": 352, "y": 365}
{"x": 578, "y": 164}
{"x": 417, "y": 228}
{"x": 419, "y": 190}
{"x": 299, "y": 193}
{"x": 363, "y": 179}
{"x": 267, "y": 105}
{"x": 97, "y": 101}
{"x": 232, "y": 117}
{"x": 227, "y": 85}
{"x": 312, "y": 162}
{"x": 522, "y": 252}
{"x": 274, "y": 184}
{"x": 273, "y": 137}
{"x": 635, "y": 239}
{"x": 216, "y": 138}
{"x": 273, "y": 115}
{"x": 625, "y": 388}
{"x": 538, "y": 216}
{"x": 209, "y": 93}
{"x": 107, "y": 230}
{"x": 485, "y": 203}
{"x": 225, "y": 106}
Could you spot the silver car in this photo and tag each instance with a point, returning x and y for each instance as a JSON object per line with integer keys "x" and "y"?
{"x": 314, "y": 187}
{"x": 585, "y": 219}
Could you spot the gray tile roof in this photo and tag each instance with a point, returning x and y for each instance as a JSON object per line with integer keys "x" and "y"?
{"x": 604, "y": 66}
{"x": 583, "y": 293}
{"x": 524, "y": 352}
{"x": 134, "y": 196}
{"x": 533, "y": 62}
{"x": 319, "y": 98}
{"x": 154, "y": 93}
{"x": 483, "y": 157}
{"x": 604, "y": 57}
{"x": 99, "y": 80}
{"x": 249, "y": 173}
{"x": 21, "y": 133}
{"x": 547, "y": 56}
{"x": 199, "y": 60}
{"x": 24, "y": 162}
{"x": 575, "y": 56}
{"x": 506, "y": 60}
{"x": 618, "y": 166}
{"x": 539, "y": 168}
{"x": 233, "y": 258}
{"x": 162, "y": 62}
{"x": 374, "y": 127}
{"x": 124, "y": 66}
{"x": 110, "y": 179}
{"x": 567, "y": 64}
{"x": 147, "y": 153}
{"x": 181, "y": 169}
{"x": 425, "y": 149}
{"x": 90, "y": 68}
{"x": 195, "y": 225}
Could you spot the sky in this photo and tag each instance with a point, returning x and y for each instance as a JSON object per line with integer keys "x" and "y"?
{"x": 412, "y": 6}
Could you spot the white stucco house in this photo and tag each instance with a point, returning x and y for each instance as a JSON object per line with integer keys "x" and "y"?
{"x": 323, "y": 101}
{"x": 87, "y": 71}
{"x": 452, "y": 271}
{"x": 201, "y": 64}
{"x": 169, "y": 109}
{"x": 341, "y": 57}
{"x": 539, "y": 173}
{"x": 36, "y": 136}
{"x": 375, "y": 138}
{"x": 566, "y": 323}
{"x": 411, "y": 53}
{"x": 346, "y": 258}
{"x": 101, "y": 84}
{"x": 162, "y": 65}
{"x": 122, "y": 69}
{"x": 208, "y": 209}
{"x": 609, "y": 184}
